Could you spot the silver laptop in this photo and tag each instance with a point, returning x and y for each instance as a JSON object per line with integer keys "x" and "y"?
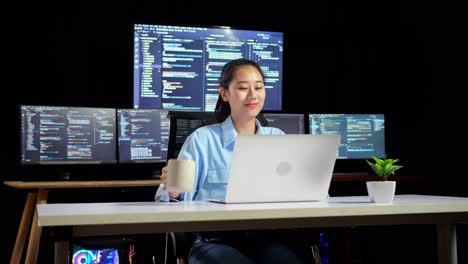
{"x": 281, "y": 168}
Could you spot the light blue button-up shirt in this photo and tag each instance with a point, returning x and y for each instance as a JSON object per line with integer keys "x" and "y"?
{"x": 211, "y": 147}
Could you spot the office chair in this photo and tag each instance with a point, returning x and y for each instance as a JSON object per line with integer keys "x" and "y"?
{"x": 178, "y": 247}
{"x": 183, "y": 123}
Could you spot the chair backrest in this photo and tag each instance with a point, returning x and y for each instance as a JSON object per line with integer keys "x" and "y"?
{"x": 183, "y": 123}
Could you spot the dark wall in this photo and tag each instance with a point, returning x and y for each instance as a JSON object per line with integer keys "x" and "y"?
{"x": 406, "y": 60}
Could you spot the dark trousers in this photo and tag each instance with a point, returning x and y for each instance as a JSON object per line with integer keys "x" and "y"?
{"x": 246, "y": 247}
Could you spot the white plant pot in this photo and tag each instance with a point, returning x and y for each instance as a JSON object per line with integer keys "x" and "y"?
{"x": 381, "y": 191}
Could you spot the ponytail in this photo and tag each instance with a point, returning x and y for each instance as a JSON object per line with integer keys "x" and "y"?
{"x": 222, "y": 110}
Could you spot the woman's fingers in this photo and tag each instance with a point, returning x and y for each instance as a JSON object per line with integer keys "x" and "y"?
{"x": 164, "y": 176}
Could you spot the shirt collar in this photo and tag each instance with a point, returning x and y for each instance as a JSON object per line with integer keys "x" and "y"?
{"x": 229, "y": 132}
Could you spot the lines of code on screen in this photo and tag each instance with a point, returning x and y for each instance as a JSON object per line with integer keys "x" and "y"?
{"x": 67, "y": 134}
{"x": 179, "y": 67}
{"x": 143, "y": 135}
{"x": 288, "y": 123}
{"x": 362, "y": 135}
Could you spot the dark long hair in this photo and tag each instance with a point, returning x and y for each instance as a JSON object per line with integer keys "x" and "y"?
{"x": 223, "y": 109}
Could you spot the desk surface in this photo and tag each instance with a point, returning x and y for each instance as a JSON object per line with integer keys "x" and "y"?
{"x": 417, "y": 206}
{"x": 81, "y": 184}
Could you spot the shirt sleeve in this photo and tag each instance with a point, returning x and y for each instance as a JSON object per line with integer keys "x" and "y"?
{"x": 274, "y": 131}
{"x": 162, "y": 195}
{"x": 187, "y": 152}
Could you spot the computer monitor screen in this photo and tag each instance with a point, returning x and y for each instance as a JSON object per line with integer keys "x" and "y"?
{"x": 288, "y": 123}
{"x": 67, "y": 135}
{"x": 179, "y": 67}
{"x": 362, "y": 135}
{"x": 183, "y": 123}
{"x": 143, "y": 135}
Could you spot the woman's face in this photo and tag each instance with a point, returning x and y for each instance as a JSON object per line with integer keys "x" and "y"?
{"x": 246, "y": 92}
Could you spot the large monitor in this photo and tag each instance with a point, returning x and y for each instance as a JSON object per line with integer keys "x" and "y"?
{"x": 143, "y": 135}
{"x": 288, "y": 123}
{"x": 67, "y": 135}
{"x": 179, "y": 67}
{"x": 362, "y": 135}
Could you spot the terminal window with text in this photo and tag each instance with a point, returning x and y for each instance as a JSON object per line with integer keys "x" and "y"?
{"x": 51, "y": 134}
{"x": 143, "y": 135}
{"x": 362, "y": 135}
{"x": 179, "y": 67}
{"x": 288, "y": 123}
{"x": 184, "y": 123}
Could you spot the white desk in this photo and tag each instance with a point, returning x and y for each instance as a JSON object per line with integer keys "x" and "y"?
{"x": 140, "y": 217}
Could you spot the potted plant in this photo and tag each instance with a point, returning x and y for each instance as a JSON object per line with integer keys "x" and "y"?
{"x": 382, "y": 191}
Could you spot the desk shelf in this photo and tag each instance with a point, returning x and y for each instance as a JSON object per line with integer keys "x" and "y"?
{"x": 81, "y": 184}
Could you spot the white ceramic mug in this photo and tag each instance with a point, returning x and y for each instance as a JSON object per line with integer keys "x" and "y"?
{"x": 180, "y": 175}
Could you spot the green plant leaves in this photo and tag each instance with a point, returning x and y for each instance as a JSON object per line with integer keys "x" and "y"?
{"x": 384, "y": 167}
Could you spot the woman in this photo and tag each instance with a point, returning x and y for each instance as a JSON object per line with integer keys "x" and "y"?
{"x": 241, "y": 98}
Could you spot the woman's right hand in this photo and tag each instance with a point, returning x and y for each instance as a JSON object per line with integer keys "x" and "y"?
{"x": 164, "y": 176}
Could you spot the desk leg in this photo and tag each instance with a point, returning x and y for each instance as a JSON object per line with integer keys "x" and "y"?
{"x": 447, "y": 243}
{"x": 23, "y": 228}
{"x": 36, "y": 230}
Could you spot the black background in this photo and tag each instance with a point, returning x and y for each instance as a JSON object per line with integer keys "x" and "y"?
{"x": 404, "y": 59}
